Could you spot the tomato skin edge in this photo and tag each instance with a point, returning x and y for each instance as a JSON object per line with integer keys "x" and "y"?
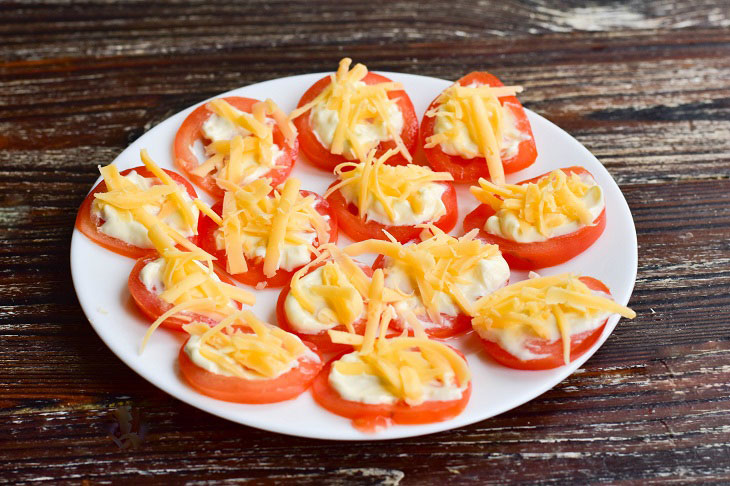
{"x": 85, "y": 224}
{"x": 540, "y": 254}
{"x": 190, "y": 131}
{"x": 319, "y": 156}
{"x": 240, "y": 390}
{"x": 580, "y": 343}
{"x": 254, "y": 276}
{"x": 470, "y": 170}
{"x": 359, "y": 230}
{"x": 399, "y": 413}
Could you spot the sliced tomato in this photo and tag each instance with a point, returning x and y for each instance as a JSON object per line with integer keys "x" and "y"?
{"x": 540, "y": 254}
{"x": 320, "y": 156}
{"x": 255, "y": 274}
{"x": 470, "y": 170}
{"x": 89, "y": 225}
{"x": 320, "y": 339}
{"x": 153, "y": 307}
{"x": 366, "y": 416}
{"x": 241, "y": 390}
{"x": 358, "y": 229}
{"x": 191, "y": 130}
{"x": 449, "y": 326}
{"x": 579, "y": 343}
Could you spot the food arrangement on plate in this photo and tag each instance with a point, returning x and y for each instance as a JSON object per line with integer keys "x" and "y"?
{"x": 374, "y": 343}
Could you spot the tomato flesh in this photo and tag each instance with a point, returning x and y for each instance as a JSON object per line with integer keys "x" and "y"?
{"x": 241, "y": 390}
{"x": 191, "y": 130}
{"x": 358, "y": 229}
{"x": 579, "y": 343}
{"x": 254, "y": 276}
{"x": 539, "y": 254}
{"x": 367, "y": 416}
{"x": 320, "y": 156}
{"x": 87, "y": 224}
{"x": 470, "y": 170}
{"x": 320, "y": 339}
{"x": 153, "y": 307}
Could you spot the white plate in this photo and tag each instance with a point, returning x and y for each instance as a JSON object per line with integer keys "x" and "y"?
{"x": 100, "y": 278}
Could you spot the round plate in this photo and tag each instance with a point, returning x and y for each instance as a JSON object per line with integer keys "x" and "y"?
{"x": 100, "y": 279}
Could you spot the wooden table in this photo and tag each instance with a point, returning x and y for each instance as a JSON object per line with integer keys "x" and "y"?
{"x": 644, "y": 86}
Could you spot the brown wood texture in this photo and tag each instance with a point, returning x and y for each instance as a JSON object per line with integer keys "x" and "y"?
{"x": 645, "y": 85}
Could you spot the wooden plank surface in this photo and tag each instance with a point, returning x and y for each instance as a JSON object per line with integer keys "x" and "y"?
{"x": 644, "y": 85}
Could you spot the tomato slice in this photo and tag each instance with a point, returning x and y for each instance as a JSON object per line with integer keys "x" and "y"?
{"x": 579, "y": 343}
{"x": 320, "y": 339}
{"x": 241, "y": 390}
{"x": 365, "y": 415}
{"x": 89, "y": 225}
{"x": 320, "y": 156}
{"x": 540, "y": 254}
{"x": 470, "y": 170}
{"x": 356, "y": 228}
{"x": 449, "y": 327}
{"x": 153, "y": 307}
{"x": 191, "y": 130}
{"x": 255, "y": 274}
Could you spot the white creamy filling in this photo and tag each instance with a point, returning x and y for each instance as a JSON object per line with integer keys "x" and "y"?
{"x": 433, "y": 207}
{"x": 192, "y": 349}
{"x": 120, "y": 225}
{"x": 507, "y": 225}
{"x": 152, "y": 273}
{"x": 488, "y": 275}
{"x": 366, "y": 388}
{"x": 367, "y": 133}
{"x": 302, "y": 320}
{"x": 464, "y": 146}
{"x": 217, "y": 129}
{"x": 514, "y": 339}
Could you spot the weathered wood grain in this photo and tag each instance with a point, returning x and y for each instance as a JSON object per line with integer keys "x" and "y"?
{"x": 644, "y": 85}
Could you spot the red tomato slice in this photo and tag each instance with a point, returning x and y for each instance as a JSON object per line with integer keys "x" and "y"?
{"x": 88, "y": 225}
{"x": 357, "y": 229}
{"x": 321, "y": 157}
{"x": 470, "y": 170}
{"x": 579, "y": 343}
{"x": 255, "y": 274}
{"x": 450, "y": 325}
{"x": 366, "y": 416}
{"x": 241, "y": 390}
{"x": 320, "y": 339}
{"x": 540, "y": 254}
{"x": 191, "y": 130}
{"x": 153, "y": 307}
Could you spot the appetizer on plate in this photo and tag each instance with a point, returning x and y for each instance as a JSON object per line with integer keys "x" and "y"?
{"x": 441, "y": 276}
{"x": 346, "y": 114}
{"x": 402, "y": 380}
{"x": 545, "y": 322}
{"x": 176, "y": 287}
{"x": 370, "y": 198}
{"x": 542, "y": 221}
{"x": 244, "y": 140}
{"x": 245, "y": 360}
{"x": 265, "y": 235}
{"x": 477, "y": 128}
{"x": 120, "y": 210}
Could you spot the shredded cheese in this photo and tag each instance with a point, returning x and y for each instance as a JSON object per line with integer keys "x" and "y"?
{"x": 553, "y": 201}
{"x": 537, "y": 305}
{"x": 243, "y": 346}
{"x": 254, "y": 218}
{"x": 356, "y": 103}
{"x": 239, "y": 160}
{"x": 374, "y": 183}
{"x": 478, "y": 109}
